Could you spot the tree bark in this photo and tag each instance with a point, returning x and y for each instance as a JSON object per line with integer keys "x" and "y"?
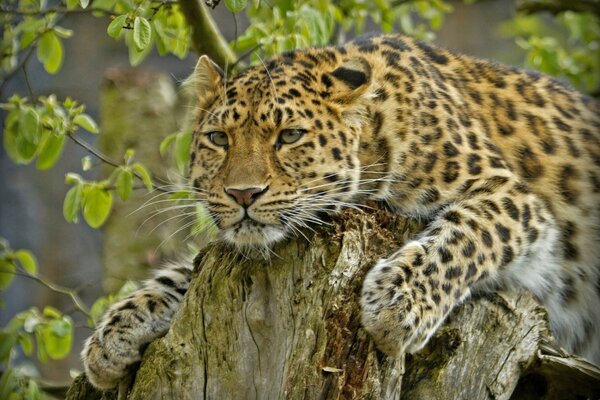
{"x": 206, "y": 36}
{"x": 289, "y": 328}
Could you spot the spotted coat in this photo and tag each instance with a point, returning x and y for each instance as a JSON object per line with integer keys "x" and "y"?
{"x": 502, "y": 162}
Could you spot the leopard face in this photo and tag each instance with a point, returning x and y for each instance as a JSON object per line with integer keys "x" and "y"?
{"x": 276, "y": 145}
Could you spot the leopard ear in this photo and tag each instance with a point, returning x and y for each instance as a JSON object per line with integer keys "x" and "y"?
{"x": 348, "y": 81}
{"x": 207, "y": 76}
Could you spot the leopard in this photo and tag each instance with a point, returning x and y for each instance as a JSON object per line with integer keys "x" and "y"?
{"x": 502, "y": 164}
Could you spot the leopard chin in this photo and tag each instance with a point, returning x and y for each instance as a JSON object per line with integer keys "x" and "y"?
{"x": 249, "y": 233}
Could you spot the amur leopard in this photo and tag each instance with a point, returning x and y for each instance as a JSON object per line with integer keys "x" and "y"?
{"x": 502, "y": 162}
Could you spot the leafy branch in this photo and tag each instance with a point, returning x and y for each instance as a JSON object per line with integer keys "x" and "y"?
{"x": 558, "y": 6}
{"x": 105, "y": 159}
{"x": 55, "y": 10}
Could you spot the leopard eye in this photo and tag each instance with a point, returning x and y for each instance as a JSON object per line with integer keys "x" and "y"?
{"x": 218, "y": 138}
{"x": 289, "y": 136}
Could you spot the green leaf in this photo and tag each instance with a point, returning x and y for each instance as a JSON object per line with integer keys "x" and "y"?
{"x": 97, "y": 310}
{"x": 116, "y": 26}
{"x": 96, "y": 206}
{"x": 50, "y": 52}
{"x": 161, "y": 38}
{"x": 26, "y": 342}
{"x": 166, "y": 143}
{"x": 129, "y": 153}
{"x": 86, "y": 122}
{"x": 7, "y": 273}
{"x": 71, "y": 4}
{"x": 127, "y": 288}
{"x": 124, "y": 183}
{"x": 7, "y": 342}
{"x": 142, "y": 31}
{"x": 26, "y": 149}
{"x": 50, "y": 150}
{"x": 182, "y": 150}
{"x": 42, "y": 354}
{"x": 11, "y": 133}
{"x": 8, "y": 383}
{"x": 136, "y": 56}
{"x": 143, "y": 172}
{"x": 51, "y": 312}
{"x": 29, "y": 125}
{"x": 84, "y": 3}
{"x": 56, "y": 337}
{"x": 27, "y": 261}
{"x": 72, "y": 203}
{"x": 235, "y": 6}
{"x": 32, "y": 392}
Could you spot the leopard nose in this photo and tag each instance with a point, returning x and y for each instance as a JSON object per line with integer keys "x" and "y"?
{"x": 245, "y": 197}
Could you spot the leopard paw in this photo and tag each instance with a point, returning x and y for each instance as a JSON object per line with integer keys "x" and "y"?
{"x": 117, "y": 345}
{"x": 400, "y": 309}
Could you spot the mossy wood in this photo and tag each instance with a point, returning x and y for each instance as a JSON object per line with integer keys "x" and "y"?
{"x": 289, "y": 328}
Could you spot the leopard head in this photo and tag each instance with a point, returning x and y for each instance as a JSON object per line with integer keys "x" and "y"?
{"x": 277, "y": 145}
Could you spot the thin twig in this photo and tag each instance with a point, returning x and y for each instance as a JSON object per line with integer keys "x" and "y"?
{"x": 26, "y": 75}
{"x": 24, "y": 61}
{"x": 246, "y": 54}
{"x": 107, "y": 160}
{"x": 93, "y": 151}
{"x": 79, "y": 304}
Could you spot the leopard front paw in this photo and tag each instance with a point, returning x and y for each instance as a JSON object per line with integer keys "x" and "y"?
{"x": 117, "y": 345}
{"x": 399, "y": 308}
{"x": 109, "y": 362}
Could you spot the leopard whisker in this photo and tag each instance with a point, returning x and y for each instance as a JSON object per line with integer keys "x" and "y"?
{"x": 274, "y": 93}
{"x": 164, "y": 210}
{"x": 192, "y": 213}
{"x": 346, "y": 183}
{"x": 185, "y": 226}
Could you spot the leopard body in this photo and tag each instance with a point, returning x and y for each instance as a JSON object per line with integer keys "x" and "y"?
{"x": 503, "y": 163}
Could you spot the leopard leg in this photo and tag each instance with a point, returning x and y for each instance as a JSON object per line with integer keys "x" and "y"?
{"x": 475, "y": 239}
{"x": 131, "y": 324}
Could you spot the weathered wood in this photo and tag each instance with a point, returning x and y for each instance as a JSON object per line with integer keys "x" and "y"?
{"x": 290, "y": 328}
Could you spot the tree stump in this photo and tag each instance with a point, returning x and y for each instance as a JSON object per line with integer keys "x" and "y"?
{"x": 289, "y": 328}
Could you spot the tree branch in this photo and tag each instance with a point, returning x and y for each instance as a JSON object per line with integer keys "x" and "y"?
{"x": 558, "y": 6}
{"x": 206, "y": 37}
{"x": 55, "y": 10}
{"x": 79, "y": 304}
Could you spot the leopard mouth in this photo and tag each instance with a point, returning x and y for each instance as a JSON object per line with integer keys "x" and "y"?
{"x": 250, "y": 233}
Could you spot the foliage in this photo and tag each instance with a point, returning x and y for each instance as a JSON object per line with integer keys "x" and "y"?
{"x": 284, "y": 25}
{"x": 39, "y": 130}
{"x": 566, "y": 46}
{"x": 46, "y": 334}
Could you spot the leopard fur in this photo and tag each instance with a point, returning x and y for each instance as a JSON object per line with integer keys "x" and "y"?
{"x": 503, "y": 163}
